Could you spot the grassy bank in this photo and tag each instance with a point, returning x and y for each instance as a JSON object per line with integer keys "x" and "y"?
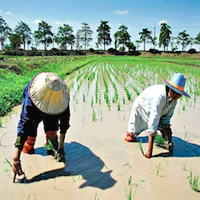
{"x": 16, "y": 72}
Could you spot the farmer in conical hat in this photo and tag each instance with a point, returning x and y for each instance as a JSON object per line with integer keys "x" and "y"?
{"x": 46, "y": 98}
{"x": 153, "y": 109}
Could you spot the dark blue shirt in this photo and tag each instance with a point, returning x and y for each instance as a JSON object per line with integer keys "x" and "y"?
{"x": 31, "y": 116}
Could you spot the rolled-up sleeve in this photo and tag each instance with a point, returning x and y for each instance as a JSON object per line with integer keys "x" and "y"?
{"x": 64, "y": 121}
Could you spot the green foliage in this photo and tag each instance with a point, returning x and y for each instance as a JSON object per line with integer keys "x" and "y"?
{"x": 104, "y": 34}
{"x": 164, "y": 37}
{"x": 140, "y": 145}
{"x": 93, "y": 115}
{"x": 194, "y": 181}
{"x": 23, "y": 70}
{"x": 8, "y": 162}
{"x": 0, "y": 122}
{"x": 158, "y": 169}
{"x": 159, "y": 140}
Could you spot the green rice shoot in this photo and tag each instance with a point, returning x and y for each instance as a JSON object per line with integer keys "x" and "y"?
{"x": 141, "y": 147}
{"x": 159, "y": 141}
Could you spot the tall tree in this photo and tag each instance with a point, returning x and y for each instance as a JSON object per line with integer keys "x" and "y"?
{"x": 5, "y": 31}
{"x": 138, "y": 43}
{"x": 78, "y": 39}
{"x": 44, "y": 34}
{"x": 36, "y": 39}
{"x": 116, "y": 35}
{"x": 86, "y": 34}
{"x": 183, "y": 39}
{"x": 104, "y": 34}
{"x": 123, "y": 35}
{"x": 191, "y": 42}
{"x": 164, "y": 38}
{"x": 71, "y": 41}
{"x": 24, "y": 31}
{"x": 197, "y": 39}
{"x": 65, "y": 35}
{"x": 173, "y": 42}
{"x": 15, "y": 40}
{"x": 145, "y": 36}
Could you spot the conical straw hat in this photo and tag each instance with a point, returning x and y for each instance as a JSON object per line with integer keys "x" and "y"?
{"x": 49, "y": 93}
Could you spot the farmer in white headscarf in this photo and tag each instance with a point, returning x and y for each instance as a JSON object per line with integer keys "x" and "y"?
{"x": 153, "y": 109}
{"x": 46, "y": 98}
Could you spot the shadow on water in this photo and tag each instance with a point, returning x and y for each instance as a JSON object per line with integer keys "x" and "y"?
{"x": 182, "y": 148}
{"x": 80, "y": 160}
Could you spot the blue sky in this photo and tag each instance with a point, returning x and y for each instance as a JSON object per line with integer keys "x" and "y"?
{"x": 135, "y": 14}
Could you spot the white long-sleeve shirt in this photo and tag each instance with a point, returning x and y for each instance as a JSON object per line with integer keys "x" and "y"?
{"x": 153, "y": 106}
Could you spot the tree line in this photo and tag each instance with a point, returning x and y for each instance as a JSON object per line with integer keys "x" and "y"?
{"x": 65, "y": 37}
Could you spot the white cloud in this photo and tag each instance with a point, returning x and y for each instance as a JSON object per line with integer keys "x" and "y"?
{"x": 162, "y": 22}
{"x": 121, "y": 12}
{"x": 58, "y": 23}
{"x": 37, "y": 21}
{"x": 8, "y": 13}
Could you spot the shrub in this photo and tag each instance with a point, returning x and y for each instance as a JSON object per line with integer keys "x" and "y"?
{"x": 192, "y": 51}
{"x": 91, "y": 50}
{"x": 153, "y": 51}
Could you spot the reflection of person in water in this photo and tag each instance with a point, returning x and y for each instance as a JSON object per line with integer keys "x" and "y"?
{"x": 153, "y": 110}
{"x": 46, "y": 98}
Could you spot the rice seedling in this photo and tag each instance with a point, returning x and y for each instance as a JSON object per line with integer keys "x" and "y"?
{"x": 83, "y": 97}
{"x": 186, "y": 133}
{"x": 8, "y": 162}
{"x": 54, "y": 183}
{"x": 128, "y": 194}
{"x": 142, "y": 181}
{"x": 73, "y": 179}
{"x": 80, "y": 177}
{"x": 96, "y": 198}
{"x": 159, "y": 141}
{"x": 101, "y": 115}
{"x": 49, "y": 146}
{"x": 114, "y": 100}
{"x": 118, "y": 106}
{"x": 93, "y": 115}
{"x": 92, "y": 102}
{"x": 127, "y": 93}
{"x": 140, "y": 145}
{"x": 124, "y": 118}
{"x": 130, "y": 180}
{"x": 124, "y": 100}
{"x": 183, "y": 107}
{"x": 184, "y": 165}
{"x": 166, "y": 162}
{"x": 109, "y": 105}
{"x": 158, "y": 169}
{"x": 194, "y": 181}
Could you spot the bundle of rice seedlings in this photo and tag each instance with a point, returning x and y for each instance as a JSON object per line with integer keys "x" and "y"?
{"x": 49, "y": 146}
{"x": 159, "y": 141}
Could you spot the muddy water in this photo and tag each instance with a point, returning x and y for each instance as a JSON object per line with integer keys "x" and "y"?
{"x": 98, "y": 160}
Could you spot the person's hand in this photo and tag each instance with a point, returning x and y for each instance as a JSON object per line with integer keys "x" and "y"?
{"x": 17, "y": 169}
